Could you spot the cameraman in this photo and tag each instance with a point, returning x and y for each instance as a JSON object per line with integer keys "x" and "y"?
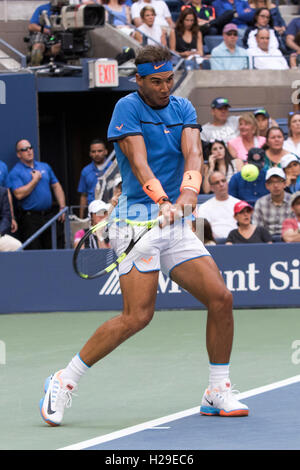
{"x": 40, "y": 34}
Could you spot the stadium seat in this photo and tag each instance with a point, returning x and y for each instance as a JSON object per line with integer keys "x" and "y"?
{"x": 283, "y": 124}
{"x": 210, "y": 42}
{"x": 204, "y": 197}
{"x": 175, "y": 8}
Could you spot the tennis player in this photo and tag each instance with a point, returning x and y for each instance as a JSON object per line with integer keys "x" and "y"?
{"x": 157, "y": 144}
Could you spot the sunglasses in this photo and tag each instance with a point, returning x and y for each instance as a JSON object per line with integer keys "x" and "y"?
{"x": 232, "y": 33}
{"x": 25, "y": 149}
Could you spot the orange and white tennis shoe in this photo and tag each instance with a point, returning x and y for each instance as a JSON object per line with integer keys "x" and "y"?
{"x": 58, "y": 396}
{"x": 221, "y": 401}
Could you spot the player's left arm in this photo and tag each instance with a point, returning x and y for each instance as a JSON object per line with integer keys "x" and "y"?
{"x": 190, "y": 186}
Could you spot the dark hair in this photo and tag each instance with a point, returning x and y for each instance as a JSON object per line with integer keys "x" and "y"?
{"x": 291, "y": 115}
{"x": 273, "y": 128}
{"x": 228, "y": 158}
{"x": 258, "y": 12}
{"x": 152, "y": 54}
{"x": 179, "y": 27}
{"x": 97, "y": 141}
{"x": 120, "y": 2}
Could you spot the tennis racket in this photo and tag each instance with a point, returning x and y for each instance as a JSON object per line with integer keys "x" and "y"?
{"x": 91, "y": 263}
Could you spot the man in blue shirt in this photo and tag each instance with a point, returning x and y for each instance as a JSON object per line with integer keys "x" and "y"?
{"x": 227, "y": 55}
{"x": 3, "y": 173}
{"x": 96, "y": 178}
{"x": 157, "y": 143}
{"x": 250, "y": 191}
{"x": 243, "y": 14}
{"x": 32, "y": 183}
{"x": 40, "y": 33}
{"x": 293, "y": 35}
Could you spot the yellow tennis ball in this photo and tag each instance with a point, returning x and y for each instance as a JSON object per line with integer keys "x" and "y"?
{"x": 249, "y": 172}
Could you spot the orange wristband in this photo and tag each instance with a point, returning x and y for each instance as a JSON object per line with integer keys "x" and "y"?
{"x": 154, "y": 190}
{"x": 191, "y": 180}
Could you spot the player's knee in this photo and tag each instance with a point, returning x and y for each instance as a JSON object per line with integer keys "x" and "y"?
{"x": 139, "y": 320}
{"x": 222, "y": 301}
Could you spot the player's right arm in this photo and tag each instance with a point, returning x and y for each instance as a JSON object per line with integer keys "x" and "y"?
{"x": 134, "y": 149}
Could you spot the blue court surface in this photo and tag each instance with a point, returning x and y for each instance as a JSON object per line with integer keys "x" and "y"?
{"x": 273, "y": 424}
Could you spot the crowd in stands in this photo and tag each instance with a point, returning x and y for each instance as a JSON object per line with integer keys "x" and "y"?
{"x": 236, "y": 210}
{"x": 216, "y": 34}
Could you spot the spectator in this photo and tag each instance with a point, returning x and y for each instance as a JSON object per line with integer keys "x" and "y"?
{"x": 163, "y": 16}
{"x": 202, "y": 228}
{"x": 242, "y": 13}
{"x": 262, "y": 57}
{"x": 262, "y": 20}
{"x": 218, "y": 210}
{"x": 248, "y": 138}
{"x": 206, "y": 16}
{"x": 264, "y": 121}
{"x": 246, "y": 231}
{"x": 290, "y": 164}
{"x": 186, "y": 39}
{"x": 149, "y": 28}
{"x": 39, "y": 42}
{"x": 220, "y": 160}
{"x": 3, "y": 174}
{"x": 122, "y": 17}
{"x": 291, "y": 226}
{"x": 98, "y": 211}
{"x": 227, "y": 55}
{"x": 99, "y": 170}
{"x": 292, "y": 143}
{"x": 272, "y": 209}
{"x": 274, "y": 147}
{"x": 32, "y": 183}
{"x": 4, "y": 182}
{"x": 278, "y": 22}
{"x": 292, "y": 35}
{"x": 250, "y": 191}
{"x": 7, "y": 242}
{"x": 223, "y": 127}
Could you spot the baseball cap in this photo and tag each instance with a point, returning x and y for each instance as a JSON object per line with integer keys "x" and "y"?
{"x": 220, "y": 102}
{"x": 239, "y": 206}
{"x": 256, "y": 156}
{"x": 295, "y": 196}
{"x": 97, "y": 205}
{"x": 287, "y": 159}
{"x": 261, "y": 111}
{"x": 230, "y": 27}
{"x": 275, "y": 171}
{"x": 117, "y": 180}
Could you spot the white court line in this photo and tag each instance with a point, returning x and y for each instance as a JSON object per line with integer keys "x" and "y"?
{"x": 166, "y": 419}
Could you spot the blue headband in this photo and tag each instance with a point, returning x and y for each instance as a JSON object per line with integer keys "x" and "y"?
{"x": 155, "y": 67}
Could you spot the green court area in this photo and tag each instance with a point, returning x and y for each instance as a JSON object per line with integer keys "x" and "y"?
{"x": 160, "y": 371}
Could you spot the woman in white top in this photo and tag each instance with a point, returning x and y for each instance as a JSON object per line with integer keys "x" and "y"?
{"x": 261, "y": 20}
{"x": 150, "y": 28}
{"x": 292, "y": 143}
{"x": 220, "y": 160}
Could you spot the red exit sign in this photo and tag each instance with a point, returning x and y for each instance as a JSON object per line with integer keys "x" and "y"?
{"x": 104, "y": 73}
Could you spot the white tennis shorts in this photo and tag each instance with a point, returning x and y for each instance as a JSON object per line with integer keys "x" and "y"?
{"x": 163, "y": 249}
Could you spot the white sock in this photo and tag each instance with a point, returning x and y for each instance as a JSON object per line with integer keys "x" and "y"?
{"x": 218, "y": 373}
{"x": 75, "y": 369}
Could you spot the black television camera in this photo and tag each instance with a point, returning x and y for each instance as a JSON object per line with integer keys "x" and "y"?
{"x": 69, "y": 25}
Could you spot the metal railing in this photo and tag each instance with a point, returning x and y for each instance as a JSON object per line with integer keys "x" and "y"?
{"x": 52, "y": 223}
{"x": 21, "y": 58}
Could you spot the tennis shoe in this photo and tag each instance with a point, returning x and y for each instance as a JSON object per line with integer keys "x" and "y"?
{"x": 58, "y": 396}
{"x": 221, "y": 401}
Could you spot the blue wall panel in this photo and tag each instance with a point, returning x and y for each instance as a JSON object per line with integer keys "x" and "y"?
{"x": 41, "y": 281}
{"x": 18, "y": 114}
